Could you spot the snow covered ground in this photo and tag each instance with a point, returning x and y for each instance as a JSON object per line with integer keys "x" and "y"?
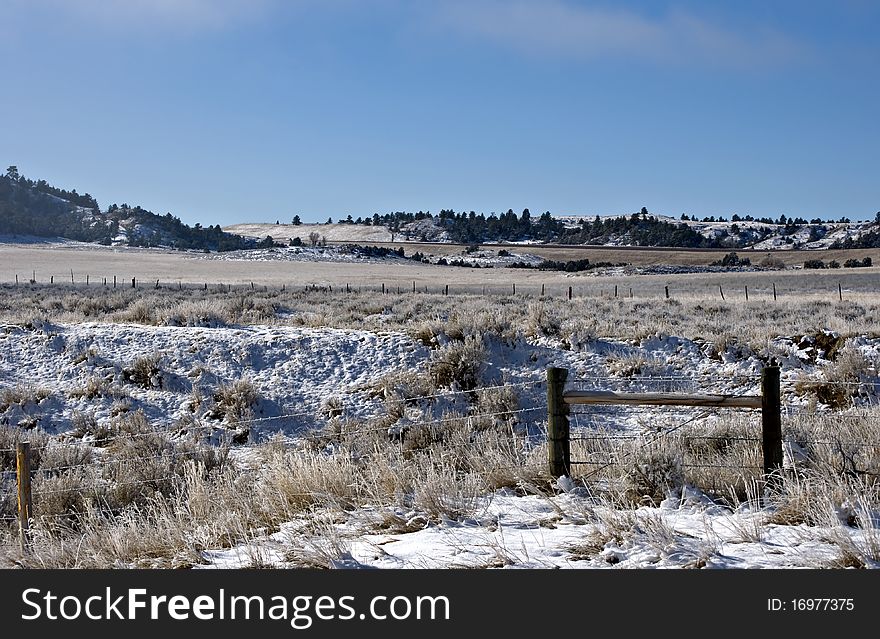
{"x": 558, "y": 531}
{"x": 295, "y": 370}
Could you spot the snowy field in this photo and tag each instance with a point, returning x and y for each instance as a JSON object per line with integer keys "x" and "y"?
{"x": 60, "y": 263}
{"x": 409, "y": 430}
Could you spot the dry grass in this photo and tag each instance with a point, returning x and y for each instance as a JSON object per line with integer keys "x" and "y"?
{"x": 136, "y": 498}
{"x": 119, "y": 492}
{"x": 695, "y": 312}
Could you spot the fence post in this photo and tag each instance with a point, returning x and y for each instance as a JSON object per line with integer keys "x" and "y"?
{"x": 542, "y": 290}
{"x": 747, "y": 293}
{"x": 569, "y": 293}
{"x": 23, "y": 469}
{"x": 774, "y": 291}
{"x": 667, "y": 291}
{"x": 558, "y": 444}
{"x": 771, "y": 421}
{"x": 839, "y": 291}
{"x": 721, "y": 290}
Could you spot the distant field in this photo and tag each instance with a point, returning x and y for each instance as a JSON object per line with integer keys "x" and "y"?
{"x": 637, "y": 256}
{"x": 172, "y": 268}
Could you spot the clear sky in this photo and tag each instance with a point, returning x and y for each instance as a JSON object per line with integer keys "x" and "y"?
{"x": 225, "y": 111}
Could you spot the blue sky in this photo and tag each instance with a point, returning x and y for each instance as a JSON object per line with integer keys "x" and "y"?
{"x": 225, "y": 111}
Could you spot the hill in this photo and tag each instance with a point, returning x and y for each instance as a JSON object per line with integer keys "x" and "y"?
{"x": 36, "y": 208}
{"x": 635, "y": 230}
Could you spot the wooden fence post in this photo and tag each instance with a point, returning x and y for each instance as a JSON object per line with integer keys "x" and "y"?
{"x": 514, "y": 288}
{"x": 134, "y": 282}
{"x": 721, "y": 290}
{"x": 414, "y": 286}
{"x": 383, "y": 288}
{"x": 569, "y": 293}
{"x": 558, "y": 443}
{"x": 542, "y": 290}
{"x": 839, "y": 291}
{"x": 615, "y": 290}
{"x": 446, "y": 290}
{"x": 114, "y": 281}
{"x": 25, "y": 507}
{"x": 667, "y": 291}
{"x": 747, "y": 293}
{"x": 774, "y": 291}
{"x": 771, "y": 421}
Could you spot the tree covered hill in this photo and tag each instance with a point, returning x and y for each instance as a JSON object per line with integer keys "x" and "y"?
{"x": 636, "y": 229}
{"x": 29, "y": 207}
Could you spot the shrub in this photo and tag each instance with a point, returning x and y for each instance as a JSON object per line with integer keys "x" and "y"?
{"x": 235, "y": 402}
{"x": 771, "y": 261}
{"x": 144, "y": 371}
{"x": 732, "y": 260}
{"x": 652, "y": 474}
{"x": 459, "y": 363}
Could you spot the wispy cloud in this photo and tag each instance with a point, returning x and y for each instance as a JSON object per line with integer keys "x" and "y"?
{"x": 184, "y": 15}
{"x": 584, "y": 31}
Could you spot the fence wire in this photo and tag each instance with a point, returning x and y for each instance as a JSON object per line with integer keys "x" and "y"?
{"x": 527, "y": 432}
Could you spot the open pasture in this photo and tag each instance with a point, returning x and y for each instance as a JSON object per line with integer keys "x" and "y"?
{"x": 287, "y": 424}
{"x": 78, "y": 263}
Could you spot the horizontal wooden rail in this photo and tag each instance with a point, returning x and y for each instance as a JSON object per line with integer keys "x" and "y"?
{"x": 769, "y": 401}
{"x": 661, "y": 399}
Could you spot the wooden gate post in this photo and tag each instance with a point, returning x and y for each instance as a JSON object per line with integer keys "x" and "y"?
{"x": 771, "y": 422}
{"x": 558, "y": 443}
{"x": 23, "y": 471}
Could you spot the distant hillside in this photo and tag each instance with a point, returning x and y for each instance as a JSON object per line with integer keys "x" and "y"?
{"x": 29, "y": 207}
{"x": 637, "y": 229}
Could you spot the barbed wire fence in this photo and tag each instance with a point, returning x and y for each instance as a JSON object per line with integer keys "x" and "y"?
{"x": 608, "y": 443}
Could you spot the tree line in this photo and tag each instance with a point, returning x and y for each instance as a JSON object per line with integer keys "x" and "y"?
{"x": 29, "y": 207}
